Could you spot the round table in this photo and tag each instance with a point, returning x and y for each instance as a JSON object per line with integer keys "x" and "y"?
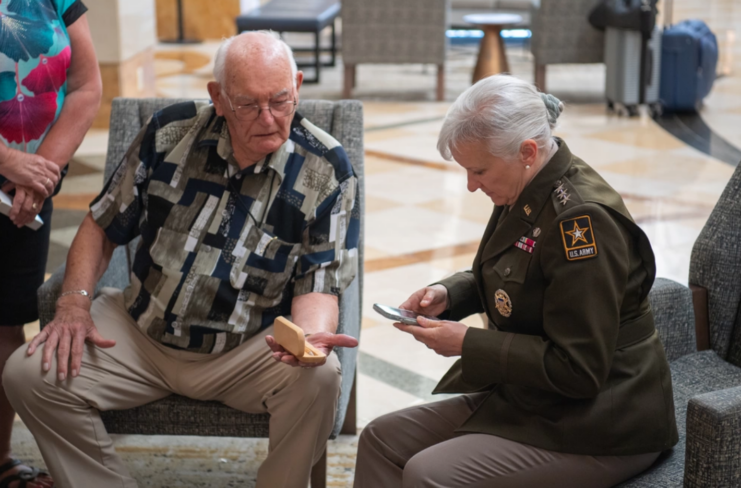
{"x": 492, "y": 56}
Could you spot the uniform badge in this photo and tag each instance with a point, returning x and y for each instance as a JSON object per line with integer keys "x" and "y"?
{"x": 578, "y": 238}
{"x": 561, "y": 192}
{"x": 527, "y": 245}
{"x": 536, "y": 232}
{"x": 503, "y": 303}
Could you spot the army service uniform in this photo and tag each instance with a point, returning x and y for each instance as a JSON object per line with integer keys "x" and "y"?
{"x": 569, "y": 385}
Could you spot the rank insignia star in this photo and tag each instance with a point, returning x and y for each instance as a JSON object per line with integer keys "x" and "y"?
{"x": 562, "y": 193}
{"x": 578, "y": 238}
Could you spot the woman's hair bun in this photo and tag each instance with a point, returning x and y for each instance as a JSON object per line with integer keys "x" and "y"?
{"x": 554, "y": 106}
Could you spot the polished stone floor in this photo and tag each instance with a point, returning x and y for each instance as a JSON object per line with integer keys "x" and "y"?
{"x": 417, "y": 233}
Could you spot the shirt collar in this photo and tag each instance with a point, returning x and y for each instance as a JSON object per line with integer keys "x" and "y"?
{"x": 216, "y": 133}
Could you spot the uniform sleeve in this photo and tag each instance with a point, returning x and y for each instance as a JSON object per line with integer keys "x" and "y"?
{"x": 581, "y": 315}
{"x": 119, "y": 207}
{"x": 70, "y": 10}
{"x": 463, "y": 295}
{"x": 328, "y": 261}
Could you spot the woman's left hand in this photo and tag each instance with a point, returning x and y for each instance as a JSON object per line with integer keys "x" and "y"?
{"x": 442, "y": 336}
{"x": 23, "y": 210}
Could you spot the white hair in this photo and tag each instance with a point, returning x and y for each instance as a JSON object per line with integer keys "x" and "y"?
{"x": 221, "y": 54}
{"x": 502, "y": 110}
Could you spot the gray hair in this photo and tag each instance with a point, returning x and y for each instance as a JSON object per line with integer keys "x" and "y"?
{"x": 221, "y": 53}
{"x": 502, "y": 110}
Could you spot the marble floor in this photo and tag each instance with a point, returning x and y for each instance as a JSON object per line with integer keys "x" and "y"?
{"x": 669, "y": 187}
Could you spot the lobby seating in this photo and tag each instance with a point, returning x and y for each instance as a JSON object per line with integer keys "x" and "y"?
{"x": 394, "y": 32}
{"x": 704, "y": 349}
{"x": 177, "y": 415}
{"x": 562, "y": 35}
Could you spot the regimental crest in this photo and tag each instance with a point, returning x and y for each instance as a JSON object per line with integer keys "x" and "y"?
{"x": 578, "y": 238}
{"x": 503, "y": 303}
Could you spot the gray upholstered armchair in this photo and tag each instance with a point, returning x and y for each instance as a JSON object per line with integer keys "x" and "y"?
{"x": 344, "y": 120}
{"x": 704, "y": 350}
{"x": 562, "y": 35}
{"x": 394, "y": 32}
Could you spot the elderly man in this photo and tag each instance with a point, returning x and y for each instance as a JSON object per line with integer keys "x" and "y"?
{"x": 246, "y": 212}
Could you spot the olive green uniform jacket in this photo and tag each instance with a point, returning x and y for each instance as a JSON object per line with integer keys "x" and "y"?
{"x": 571, "y": 356}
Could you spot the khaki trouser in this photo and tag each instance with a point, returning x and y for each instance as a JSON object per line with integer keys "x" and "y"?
{"x": 417, "y": 448}
{"x": 64, "y": 418}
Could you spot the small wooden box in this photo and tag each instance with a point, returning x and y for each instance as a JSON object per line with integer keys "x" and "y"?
{"x": 291, "y": 337}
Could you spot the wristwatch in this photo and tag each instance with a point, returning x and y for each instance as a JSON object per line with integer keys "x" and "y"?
{"x": 84, "y": 293}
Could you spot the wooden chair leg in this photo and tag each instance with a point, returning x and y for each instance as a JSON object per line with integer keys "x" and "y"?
{"x": 354, "y": 75}
{"x": 319, "y": 472}
{"x": 540, "y": 77}
{"x": 349, "y": 81}
{"x": 440, "y": 82}
{"x": 350, "y": 426}
{"x": 702, "y": 317}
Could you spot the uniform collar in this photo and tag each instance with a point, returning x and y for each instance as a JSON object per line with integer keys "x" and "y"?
{"x": 530, "y": 203}
{"x": 216, "y": 133}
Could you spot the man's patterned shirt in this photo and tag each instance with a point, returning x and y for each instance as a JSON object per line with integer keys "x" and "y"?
{"x": 206, "y": 276}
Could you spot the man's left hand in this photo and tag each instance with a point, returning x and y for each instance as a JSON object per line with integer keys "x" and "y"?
{"x": 323, "y": 341}
{"x": 442, "y": 336}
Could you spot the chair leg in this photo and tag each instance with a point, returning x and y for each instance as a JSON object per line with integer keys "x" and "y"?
{"x": 350, "y": 426}
{"x": 319, "y": 472}
{"x": 540, "y": 77}
{"x": 440, "y": 82}
{"x": 349, "y": 81}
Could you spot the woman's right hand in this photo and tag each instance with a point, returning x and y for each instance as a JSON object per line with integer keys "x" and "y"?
{"x": 430, "y": 301}
{"x": 30, "y": 170}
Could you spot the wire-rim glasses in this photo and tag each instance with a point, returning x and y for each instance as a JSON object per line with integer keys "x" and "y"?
{"x": 250, "y": 112}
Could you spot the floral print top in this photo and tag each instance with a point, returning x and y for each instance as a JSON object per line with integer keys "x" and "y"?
{"x": 34, "y": 58}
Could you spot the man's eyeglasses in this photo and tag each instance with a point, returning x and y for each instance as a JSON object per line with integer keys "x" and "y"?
{"x": 250, "y": 112}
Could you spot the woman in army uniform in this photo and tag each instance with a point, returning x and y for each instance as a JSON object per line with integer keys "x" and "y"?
{"x": 568, "y": 386}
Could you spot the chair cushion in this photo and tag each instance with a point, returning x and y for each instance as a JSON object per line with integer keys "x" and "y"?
{"x": 177, "y": 415}
{"x": 692, "y": 375}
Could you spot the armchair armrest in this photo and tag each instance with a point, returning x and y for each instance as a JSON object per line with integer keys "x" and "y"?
{"x": 714, "y": 440}
{"x": 116, "y": 276}
{"x": 674, "y": 317}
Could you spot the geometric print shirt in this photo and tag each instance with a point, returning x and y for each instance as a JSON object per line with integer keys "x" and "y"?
{"x": 223, "y": 251}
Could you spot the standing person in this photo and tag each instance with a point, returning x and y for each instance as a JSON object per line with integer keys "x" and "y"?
{"x": 50, "y": 91}
{"x": 568, "y": 386}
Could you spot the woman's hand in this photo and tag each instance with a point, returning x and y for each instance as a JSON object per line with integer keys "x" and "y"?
{"x": 430, "y": 300}
{"x": 442, "y": 336}
{"x": 323, "y": 341}
{"x": 26, "y": 206}
{"x": 30, "y": 170}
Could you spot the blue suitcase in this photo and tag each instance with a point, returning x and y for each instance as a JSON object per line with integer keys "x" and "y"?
{"x": 689, "y": 57}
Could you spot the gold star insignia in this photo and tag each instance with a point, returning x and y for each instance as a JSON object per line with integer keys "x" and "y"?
{"x": 577, "y": 234}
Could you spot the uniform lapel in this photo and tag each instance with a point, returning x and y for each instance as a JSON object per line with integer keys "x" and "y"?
{"x": 523, "y": 214}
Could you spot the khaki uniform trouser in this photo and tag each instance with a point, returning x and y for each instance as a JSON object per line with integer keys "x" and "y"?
{"x": 64, "y": 418}
{"x": 417, "y": 448}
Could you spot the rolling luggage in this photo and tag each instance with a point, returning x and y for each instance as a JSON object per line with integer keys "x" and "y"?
{"x": 688, "y": 65}
{"x": 632, "y": 69}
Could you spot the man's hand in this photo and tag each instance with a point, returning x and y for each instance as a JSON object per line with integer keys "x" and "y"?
{"x": 71, "y": 327}
{"x": 324, "y": 341}
{"x": 430, "y": 301}
{"x": 30, "y": 170}
{"x": 442, "y": 336}
{"x": 23, "y": 210}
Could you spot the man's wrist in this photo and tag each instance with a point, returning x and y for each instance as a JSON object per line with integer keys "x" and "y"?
{"x": 74, "y": 301}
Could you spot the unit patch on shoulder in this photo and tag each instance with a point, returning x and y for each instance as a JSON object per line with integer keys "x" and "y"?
{"x": 578, "y": 238}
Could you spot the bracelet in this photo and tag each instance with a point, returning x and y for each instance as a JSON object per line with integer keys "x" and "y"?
{"x": 84, "y": 293}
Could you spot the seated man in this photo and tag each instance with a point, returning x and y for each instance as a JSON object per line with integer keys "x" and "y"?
{"x": 246, "y": 212}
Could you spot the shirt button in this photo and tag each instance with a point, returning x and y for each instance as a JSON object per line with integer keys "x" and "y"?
{"x": 507, "y": 272}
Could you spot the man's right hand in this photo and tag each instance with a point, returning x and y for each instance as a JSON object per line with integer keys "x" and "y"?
{"x": 30, "y": 170}
{"x": 67, "y": 333}
{"x": 430, "y": 301}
